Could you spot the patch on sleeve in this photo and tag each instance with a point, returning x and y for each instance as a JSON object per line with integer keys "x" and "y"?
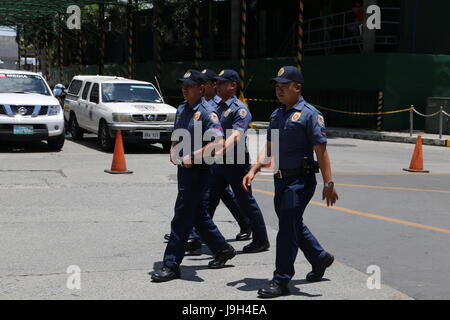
{"x": 296, "y": 116}
{"x": 214, "y": 118}
{"x": 321, "y": 120}
{"x": 243, "y": 113}
{"x": 197, "y": 115}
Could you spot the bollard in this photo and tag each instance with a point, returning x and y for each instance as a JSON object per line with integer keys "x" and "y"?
{"x": 411, "y": 121}
{"x": 441, "y": 122}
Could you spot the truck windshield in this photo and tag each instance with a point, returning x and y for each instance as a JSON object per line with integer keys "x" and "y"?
{"x": 22, "y": 83}
{"x": 129, "y": 92}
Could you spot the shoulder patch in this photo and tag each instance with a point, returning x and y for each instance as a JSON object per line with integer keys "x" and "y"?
{"x": 197, "y": 115}
{"x": 243, "y": 113}
{"x": 321, "y": 120}
{"x": 214, "y": 118}
{"x": 296, "y": 116}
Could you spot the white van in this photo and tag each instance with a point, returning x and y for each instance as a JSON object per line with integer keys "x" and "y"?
{"x": 28, "y": 109}
{"x": 103, "y": 105}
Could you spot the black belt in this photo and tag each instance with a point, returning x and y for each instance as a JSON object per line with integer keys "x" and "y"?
{"x": 303, "y": 172}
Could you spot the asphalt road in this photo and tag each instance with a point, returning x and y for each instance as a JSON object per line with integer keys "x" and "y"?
{"x": 385, "y": 217}
{"x": 61, "y": 208}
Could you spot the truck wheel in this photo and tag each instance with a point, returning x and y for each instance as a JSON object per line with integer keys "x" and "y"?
{"x": 56, "y": 144}
{"x": 75, "y": 130}
{"x": 105, "y": 140}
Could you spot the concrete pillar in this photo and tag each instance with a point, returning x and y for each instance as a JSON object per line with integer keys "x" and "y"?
{"x": 235, "y": 28}
{"x": 369, "y": 36}
{"x": 211, "y": 28}
{"x": 262, "y": 33}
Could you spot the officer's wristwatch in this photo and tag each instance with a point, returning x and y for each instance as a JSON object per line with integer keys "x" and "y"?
{"x": 329, "y": 184}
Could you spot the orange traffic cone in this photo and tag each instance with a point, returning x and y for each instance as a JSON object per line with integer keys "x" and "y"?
{"x": 417, "y": 158}
{"x": 119, "y": 165}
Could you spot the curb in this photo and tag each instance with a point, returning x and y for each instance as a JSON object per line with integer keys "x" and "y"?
{"x": 256, "y": 126}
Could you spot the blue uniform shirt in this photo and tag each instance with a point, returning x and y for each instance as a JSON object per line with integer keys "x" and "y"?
{"x": 190, "y": 117}
{"x": 234, "y": 115}
{"x": 300, "y": 129}
{"x": 214, "y": 102}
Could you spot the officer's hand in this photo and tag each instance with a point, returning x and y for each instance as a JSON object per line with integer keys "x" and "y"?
{"x": 173, "y": 158}
{"x": 247, "y": 181}
{"x": 330, "y": 195}
{"x": 187, "y": 163}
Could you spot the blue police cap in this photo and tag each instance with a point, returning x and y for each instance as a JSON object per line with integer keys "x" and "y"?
{"x": 209, "y": 74}
{"x": 289, "y": 74}
{"x": 228, "y": 75}
{"x": 192, "y": 76}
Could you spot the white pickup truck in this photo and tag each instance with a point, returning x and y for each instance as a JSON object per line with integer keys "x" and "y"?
{"x": 28, "y": 109}
{"x": 103, "y": 105}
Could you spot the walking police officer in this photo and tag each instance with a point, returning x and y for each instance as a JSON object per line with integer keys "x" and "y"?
{"x": 235, "y": 119}
{"x": 302, "y": 132}
{"x": 227, "y": 196}
{"x": 194, "y": 117}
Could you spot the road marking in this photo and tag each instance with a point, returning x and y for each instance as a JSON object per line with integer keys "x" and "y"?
{"x": 388, "y": 174}
{"x": 369, "y": 215}
{"x": 376, "y": 187}
{"x": 378, "y": 173}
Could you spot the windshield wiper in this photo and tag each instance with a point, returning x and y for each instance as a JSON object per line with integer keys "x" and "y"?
{"x": 20, "y": 92}
{"x": 144, "y": 101}
{"x": 116, "y": 101}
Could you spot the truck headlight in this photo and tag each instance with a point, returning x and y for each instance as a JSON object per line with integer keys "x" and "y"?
{"x": 54, "y": 110}
{"x": 121, "y": 117}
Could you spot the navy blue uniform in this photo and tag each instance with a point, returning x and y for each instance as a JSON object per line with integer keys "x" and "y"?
{"x": 190, "y": 207}
{"x": 227, "y": 196}
{"x": 235, "y": 115}
{"x": 300, "y": 129}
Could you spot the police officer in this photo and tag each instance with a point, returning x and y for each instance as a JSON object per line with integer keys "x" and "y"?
{"x": 235, "y": 119}
{"x": 227, "y": 196}
{"x": 302, "y": 132}
{"x": 194, "y": 245}
{"x": 194, "y": 117}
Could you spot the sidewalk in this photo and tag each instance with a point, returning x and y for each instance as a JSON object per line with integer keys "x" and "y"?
{"x": 363, "y": 134}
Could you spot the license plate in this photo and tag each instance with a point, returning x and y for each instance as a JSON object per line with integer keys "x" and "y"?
{"x": 23, "y": 130}
{"x": 151, "y": 135}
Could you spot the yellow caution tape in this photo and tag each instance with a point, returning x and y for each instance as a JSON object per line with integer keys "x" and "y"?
{"x": 339, "y": 111}
{"x": 262, "y": 100}
{"x": 363, "y": 113}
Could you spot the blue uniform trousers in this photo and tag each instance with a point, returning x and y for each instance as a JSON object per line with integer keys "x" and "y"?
{"x": 225, "y": 175}
{"x": 292, "y": 195}
{"x": 190, "y": 211}
{"x": 229, "y": 200}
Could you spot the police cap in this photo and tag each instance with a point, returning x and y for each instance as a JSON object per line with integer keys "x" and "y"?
{"x": 288, "y": 74}
{"x": 228, "y": 75}
{"x": 192, "y": 77}
{"x": 209, "y": 74}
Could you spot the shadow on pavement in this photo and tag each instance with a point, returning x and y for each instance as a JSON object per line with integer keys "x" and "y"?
{"x": 252, "y": 284}
{"x": 24, "y": 147}
{"x": 90, "y": 141}
{"x": 188, "y": 273}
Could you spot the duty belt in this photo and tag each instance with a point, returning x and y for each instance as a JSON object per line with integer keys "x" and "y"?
{"x": 302, "y": 172}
